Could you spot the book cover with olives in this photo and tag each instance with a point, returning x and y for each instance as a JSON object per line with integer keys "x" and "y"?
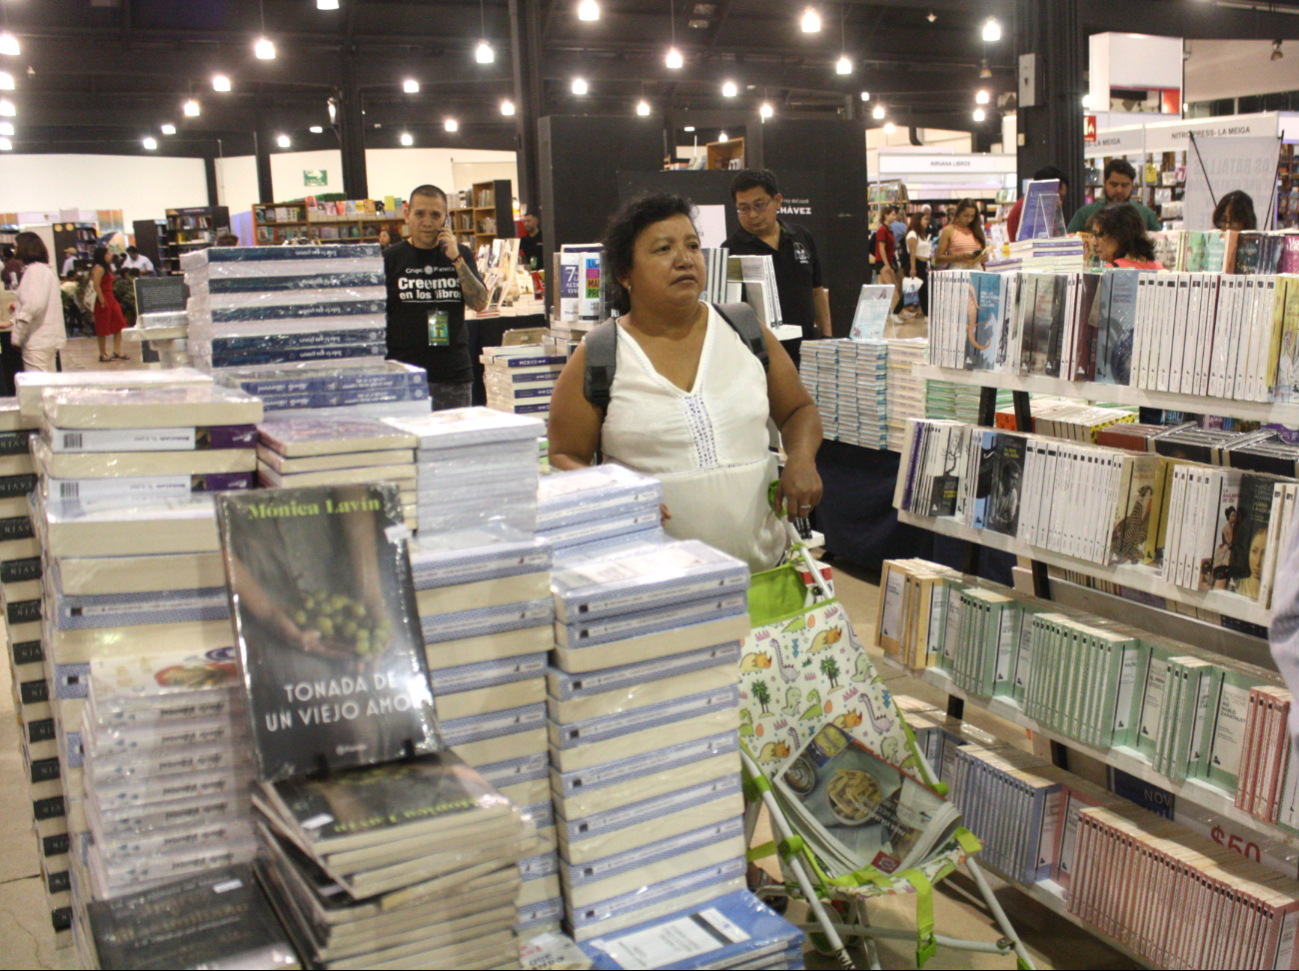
{"x": 327, "y": 627}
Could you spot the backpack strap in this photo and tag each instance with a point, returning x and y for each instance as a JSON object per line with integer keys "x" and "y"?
{"x": 744, "y": 321}
{"x": 601, "y": 362}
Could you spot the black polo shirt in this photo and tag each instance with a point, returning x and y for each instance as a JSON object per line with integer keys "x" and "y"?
{"x": 798, "y": 271}
{"x": 530, "y": 249}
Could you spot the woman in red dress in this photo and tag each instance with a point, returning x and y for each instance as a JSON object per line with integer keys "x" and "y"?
{"x": 108, "y": 312}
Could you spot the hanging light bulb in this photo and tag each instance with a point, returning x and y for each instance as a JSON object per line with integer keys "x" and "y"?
{"x": 1087, "y": 102}
{"x": 407, "y": 139}
{"x": 264, "y": 49}
{"x": 220, "y": 82}
{"x": 980, "y": 114}
{"x": 7, "y": 128}
{"x": 579, "y": 86}
{"x": 483, "y": 53}
{"x": 316, "y": 130}
{"x": 890, "y": 128}
{"x": 6, "y": 81}
{"x": 588, "y": 10}
{"x": 865, "y": 96}
{"x": 729, "y": 90}
{"x": 168, "y": 129}
{"x": 9, "y": 44}
{"x": 191, "y": 108}
{"x": 410, "y": 86}
{"x": 843, "y": 65}
{"x": 6, "y": 145}
{"x": 689, "y": 128}
{"x": 811, "y": 22}
{"x": 507, "y": 107}
{"x": 150, "y": 143}
{"x": 452, "y": 125}
{"x": 282, "y": 141}
{"x": 878, "y": 113}
{"x": 991, "y": 31}
{"x": 674, "y": 60}
{"x": 723, "y": 137}
{"x": 326, "y": 4}
{"x": 982, "y": 98}
{"x": 642, "y": 108}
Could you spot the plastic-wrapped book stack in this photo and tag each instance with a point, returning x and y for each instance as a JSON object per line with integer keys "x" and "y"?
{"x": 303, "y": 325}
{"x": 643, "y": 721}
{"x": 337, "y": 451}
{"x": 136, "y": 637}
{"x": 906, "y": 392}
{"x": 847, "y": 380}
{"x": 521, "y": 378}
{"x": 589, "y": 509}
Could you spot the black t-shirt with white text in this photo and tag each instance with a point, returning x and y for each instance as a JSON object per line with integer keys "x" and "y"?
{"x": 423, "y": 283}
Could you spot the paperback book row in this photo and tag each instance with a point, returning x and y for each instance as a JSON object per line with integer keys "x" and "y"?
{"x": 848, "y": 380}
{"x": 521, "y": 378}
{"x": 1063, "y": 417}
{"x": 370, "y": 390}
{"x": 906, "y": 392}
{"x": 1187, "y": 713}
{"x": 1227, "y": 251}
{"x": 1114, "y": 506}
{"x": 958, "y": 402}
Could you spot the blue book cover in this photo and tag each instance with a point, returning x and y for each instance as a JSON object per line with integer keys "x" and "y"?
{"x": 297, "y": 355}
{"x": 1115, "y": 321}
{"x": 313, "y": 281}
{"x": 987, "y": 478}
{"x": 1041, "y": 210}
{"x": 983, "y": 335}
{"x": 1147, "y": 795}
{"x": 324, "y": 338}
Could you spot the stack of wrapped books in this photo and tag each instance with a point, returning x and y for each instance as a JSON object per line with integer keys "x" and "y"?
{"x": 906, "y": 392}
{"x": 643, "y": 724}
{"x": 848, "y": 381}
{"x": 382, "y": 390}
{"x": 589, "y": 509}
{"x": 521, "y": 378}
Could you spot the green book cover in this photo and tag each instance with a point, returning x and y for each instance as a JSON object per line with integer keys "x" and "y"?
{"x": 1210, "y": 689}
{"x": 1127, "y": 704}
{"x": 1152, "y": 700}
{"x": 1023, "y": 663}
{"x": 1170, "y": 714}
{"x": 1228, "y": 733}
{"x": 1193, "y": 693}
{"x": 1012, "y": 624}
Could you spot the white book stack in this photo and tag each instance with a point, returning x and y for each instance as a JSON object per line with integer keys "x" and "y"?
{"x": 387, "y": 389}
{"x": 339, "y": 451}
{"x": 484, "y": 604}
{"x": 271, "y": 306}
{"x": 474, "y": 466}
{"x": 1061, "y": 254}
{"x": 848, "y": 381}
{"x": 906, "y": 392}
{"x": 643, "y": 727}
{"x": 521, "y": 378}
{"x": 586, "y": 510}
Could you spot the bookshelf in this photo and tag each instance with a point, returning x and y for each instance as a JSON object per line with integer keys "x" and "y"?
{"x": 280, "y": 222}
{"x": 489, "y": 216}
{"x": 81, "y": 236}
{"x": 151, "y": 240}
{"x": 290, "y": 222}
{"x": 1287, "y": 191}
{"x": 725, "y": 155}
{"x": 193, "y": 229}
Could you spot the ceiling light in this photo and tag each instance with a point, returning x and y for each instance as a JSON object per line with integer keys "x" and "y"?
{"x": 729, "y": 90}
{"x": 6, "y": 81}
{"x": 6, "y": 128}
{"x": 333, "y": 110}
{"x": 407, "y": 139}
{"x": 689, "y": 128}
{"x": 588, "y": 10}
{"x": 642, "y": 108}
{"x": 410, "y": 86}
{"x": 674, "y": 59}
{"x": 579, "y": 86}
{"x": 507, "y": 107}
{"x": 9, "y": 44}
{"x": 723, "y": 137}
{"x": 452, "y": 125}
{"x": 316, "y": 130}
{"x": 150, "y": 143}
{"x": 191, "y": 108}
{"x": 890, "y": 128}
{"x": 865, "y": 96}
{"x": 843, "y": 65}
{"x": 811, "y": 21}
{"x": 264, "y": 49}
{"x": 980, "y": 114}
{"x": 168, "y": 129}
{"x": 932, "y": 17}
{"x": 878, "y": 113}
{"x": 6, "y": 145}
{"x": 220, "y": 82}
{"x": 991, "y": 31}
{"x": 1087, "y": 102}
{"x": 982, "y": 98}
{"x": 766, "y": 111}
{"x": 483, "y": 53}
{"x": 282, "y": 141}
{"x": 985, "y": 72}
{"x": 7, "y": 109}
{"x": 326, "y": 4}
{"x": 1276, "y": 50}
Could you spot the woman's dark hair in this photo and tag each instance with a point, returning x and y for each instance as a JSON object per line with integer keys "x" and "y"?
{"x": 976, "y": 224}
{"x": 624, "y": 228}
{"x": 1121, "y": 222}
{"x": 1122, "y": 166}
{"x": 101, "y": 259}
{"x": 1235, "y": 207}
{"x": 915, "y": 223}
{"x": 30, "y": 248}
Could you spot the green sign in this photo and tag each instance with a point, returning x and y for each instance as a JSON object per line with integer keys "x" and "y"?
{"x": 315, "y": 177}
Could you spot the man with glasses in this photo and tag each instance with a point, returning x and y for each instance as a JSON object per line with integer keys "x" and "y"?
{"x": 804, "y": 300}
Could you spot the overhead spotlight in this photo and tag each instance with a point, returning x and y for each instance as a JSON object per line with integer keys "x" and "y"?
{"x": 316, "y": 130}
{"x": 843, "y": 65}
{"x": 168, "y": 129}
{"x": 1276, "y": 51}
{"x": 264, "y": 49}
{"x": 579, "y": 86}
{"x": 283, "y": 141}
{"x": 7, "y": 109}
{"x": 507, "y": 107}
{"x": 1087, "y": 102}
{"x": 220, "y": 82}
{"x": 878, "y": 113}
{"x": 6, "y": 129}
{"x": 932, "y": 17}
{"x": 326, "y": 4}
{"x": 6, "y": 145}
{"x": 811, "y": 22}
{"x": 985, "y": 72}
{"x": 333, "y": 110}
{"x": 689, "y": 128}
{"x": 980, "y": 114}
{"x": 9, "y": 44}
{"x": 410, "y": 86}
{"x": 588, "y": 10}
{"x": 451, "y": 125}
{"x": 982, "y": 98}
{"x": 191, "y": 108}
{"x": 483, "y": 53}
{"x": 6, "y": 81}
{"x": 674, "y": 60}
{"x": 150, "y": 143}
{"x": 766, "y": 111}
{"x": 991, "y": 30}
{"x": 890, "y": 128}
{"x": 407, "y": 139}
{"x": 729, "y": 90}
{"x": 723, "y": 137}
{"x": 865, "y": 96}
{"x": 642, "y": 108}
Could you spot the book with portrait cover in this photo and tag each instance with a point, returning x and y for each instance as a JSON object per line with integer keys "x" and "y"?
{"x": 327, "y": 627}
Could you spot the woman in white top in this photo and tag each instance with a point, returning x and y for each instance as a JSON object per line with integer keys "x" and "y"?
{"x": 38, "y": 314}
{"x": 919, "y": 250}
{"x": 689, "y": 402}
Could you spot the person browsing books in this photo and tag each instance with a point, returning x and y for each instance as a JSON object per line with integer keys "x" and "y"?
{"x": 1235, "y": 211}
{"x": 38, "y": 315}
{"x": 135, "y": 260}
{"x": 689, "y": 400}
{"x": 804, "y": 300}
{"x": 431, "y": 279}
{"x": 1119, "y": 238}
{"x": 1120, "y": 180}
{"x": 962, "y": 243}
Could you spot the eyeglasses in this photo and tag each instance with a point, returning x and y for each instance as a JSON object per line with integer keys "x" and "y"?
{"x": 757, "y": 207}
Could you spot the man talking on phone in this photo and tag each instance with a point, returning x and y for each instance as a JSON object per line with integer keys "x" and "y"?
{"x": 431, "y": 279}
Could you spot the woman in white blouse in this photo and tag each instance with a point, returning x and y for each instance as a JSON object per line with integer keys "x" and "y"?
{"x": 690, "y": 401}
{"x": 38, "y": 314}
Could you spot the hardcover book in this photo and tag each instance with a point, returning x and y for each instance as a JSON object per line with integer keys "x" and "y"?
{"x": 327, "y": 627}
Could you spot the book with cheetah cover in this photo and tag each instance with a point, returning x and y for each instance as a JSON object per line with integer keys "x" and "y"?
{"x": 327, "y": 627}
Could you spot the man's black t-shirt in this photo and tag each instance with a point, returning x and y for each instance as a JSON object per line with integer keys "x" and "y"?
{"x": 530, "y": 249}
{"x": 425, "y": 303}
{"x": 798, "y": 271}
